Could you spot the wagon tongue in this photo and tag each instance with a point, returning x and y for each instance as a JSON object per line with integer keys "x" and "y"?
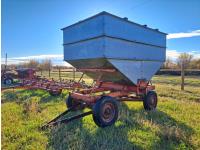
{"x": 56, "y": 121}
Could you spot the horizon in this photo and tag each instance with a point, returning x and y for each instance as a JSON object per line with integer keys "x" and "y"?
{"x": 58, "y": 59}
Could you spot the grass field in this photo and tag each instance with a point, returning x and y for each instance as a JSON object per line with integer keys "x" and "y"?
{"x": 174, "y": 125}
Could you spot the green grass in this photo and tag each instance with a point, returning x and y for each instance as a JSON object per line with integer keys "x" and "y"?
{"x": 174, "y": 125}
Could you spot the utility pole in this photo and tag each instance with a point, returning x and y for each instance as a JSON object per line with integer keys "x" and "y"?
{"x": 6, "y": 62}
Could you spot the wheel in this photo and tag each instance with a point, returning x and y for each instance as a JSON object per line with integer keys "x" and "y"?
{"x": 8, "y": 81}
{"x": 70, "y": 102}
{"x": 150, "y": 101}
{"x": 105, "y": 111}
{"x": 55, "y": 93}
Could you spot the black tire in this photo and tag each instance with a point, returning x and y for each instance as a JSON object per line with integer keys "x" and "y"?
{"x": 150, "y": 101}
{"x": 55, "y": 93}
{"x": 105, "y": 105}
{"x": 8, "y": 81}
{"x": 70, "y": 102}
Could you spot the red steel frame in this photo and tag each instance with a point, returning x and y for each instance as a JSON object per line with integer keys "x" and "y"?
{"x": 33, "y": 82}
{"x": 118, "y": 91}
{"x": 50, "y": 85}
{"x": 92, "y": 94}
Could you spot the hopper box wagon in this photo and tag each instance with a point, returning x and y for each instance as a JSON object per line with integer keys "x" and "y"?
{"x": 120, "y": 56}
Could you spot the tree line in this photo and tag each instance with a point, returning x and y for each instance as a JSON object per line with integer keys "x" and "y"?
{"x": 185, "y": 60}
{"x": 43, "y": 65}
{"x": 39, "y": 65}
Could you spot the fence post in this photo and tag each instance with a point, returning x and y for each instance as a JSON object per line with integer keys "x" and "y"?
{"x": 59, "y": 74}
{"x": 49, "y": 72}
{"x": 73, "y": 73}
{"x": 182, "y": 76}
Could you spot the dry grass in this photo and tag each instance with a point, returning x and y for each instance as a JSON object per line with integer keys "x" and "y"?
{"x": 174, "y": 125}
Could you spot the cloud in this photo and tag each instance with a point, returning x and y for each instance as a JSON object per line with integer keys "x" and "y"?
{"x": 39, "y": 57}
{"x": 57, "y": 59}
{"x": 183, "y": 34}
{"x": 173, "y": 54}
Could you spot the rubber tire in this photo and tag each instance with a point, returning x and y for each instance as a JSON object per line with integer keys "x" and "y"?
{"x": 97, "y": 108}
{"x": 147, "y": 101}
{"x": 53, "y": 93}
{"x": 70, "y": 102}
{"x": 8, "y": 78}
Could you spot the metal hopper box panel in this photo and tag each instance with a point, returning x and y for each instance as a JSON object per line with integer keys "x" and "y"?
{"x": 133, "y": 60}
{"x": 107, "y": 41}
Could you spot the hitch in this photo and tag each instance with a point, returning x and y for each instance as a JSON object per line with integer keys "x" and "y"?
{"x": 56, "y": 121}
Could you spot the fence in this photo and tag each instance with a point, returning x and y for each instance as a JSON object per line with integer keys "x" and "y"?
{"x": 177, "y": 72}
{"x": 60, "y": 74}
{"x": 72, "y": 73}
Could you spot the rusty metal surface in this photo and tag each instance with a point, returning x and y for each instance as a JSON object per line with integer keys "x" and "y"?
{"x": 48, "y": 85}
{"x": 57, "y": 120}
{"x": 112, "y": 89}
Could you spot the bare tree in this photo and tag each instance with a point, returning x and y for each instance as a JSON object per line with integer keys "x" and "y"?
{"x": 32, "y": 63}
{"x": 168, "y": 63}
{"x": 195, "y": 64}
{"x": 46, "y": 64}
{"x": 184, "y": 59}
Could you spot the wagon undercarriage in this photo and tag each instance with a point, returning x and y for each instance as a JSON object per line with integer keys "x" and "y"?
{"x": 103, "y": 100}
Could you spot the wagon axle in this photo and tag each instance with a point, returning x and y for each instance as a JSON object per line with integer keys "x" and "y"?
{"x": 104, "y": 107}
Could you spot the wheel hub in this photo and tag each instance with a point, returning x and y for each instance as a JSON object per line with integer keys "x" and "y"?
{"x": 152, "y": 101}
{"x": 108, "y": 112}
{"x": 8, "y": 82}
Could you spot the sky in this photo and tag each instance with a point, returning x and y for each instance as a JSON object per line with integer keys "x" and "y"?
{"x": 31, "y": 28}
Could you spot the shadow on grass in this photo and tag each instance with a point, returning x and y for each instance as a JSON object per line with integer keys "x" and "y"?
{"x": 50, "y": 98}
{"x": 171, "y": 133}
{"x": 176, "y": 83}
{"x": 127, "y": 133}
{"x": 75, "y": 135}
{"x": 21, "y": 96}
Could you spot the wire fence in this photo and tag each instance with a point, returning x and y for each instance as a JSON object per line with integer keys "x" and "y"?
{"x": 60, "y": 74}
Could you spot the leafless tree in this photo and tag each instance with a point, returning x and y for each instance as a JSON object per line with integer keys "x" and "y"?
{"x": 46, "y": 64}
{"x": 168, "y": 63}
{"x": 195, "y": 64}
{"x": 184, "y": 59}
{"x": 30, "y": 64}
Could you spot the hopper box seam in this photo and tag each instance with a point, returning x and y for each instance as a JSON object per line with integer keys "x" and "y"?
{"x": 133, "y": 41}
